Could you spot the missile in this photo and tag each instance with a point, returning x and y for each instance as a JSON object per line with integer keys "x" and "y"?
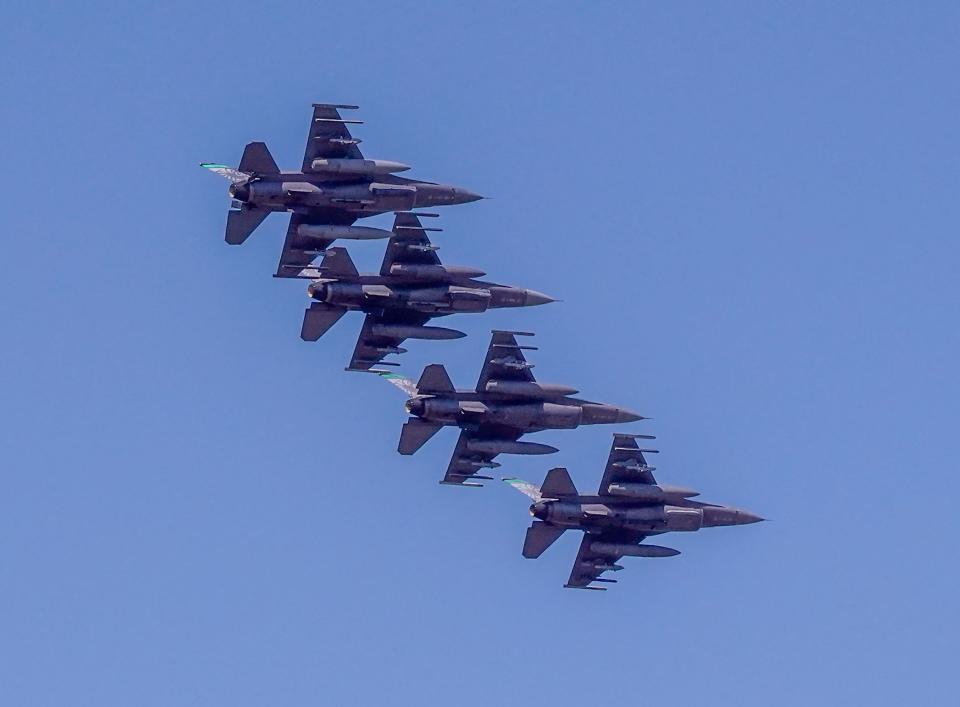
{"x": 602, "y": 567}
{"x": 529, "y": 389}
{"x": 329, "y": 232}
{"x": 512, "y": 363}
{"x": 632, "y": 464}
{"x": 478, "y": 464}
{"x": 352, "y": 167}
{"x": 505, "y": 446}
{"x": 409, "y": 331}
{"x": 621, "y": 550}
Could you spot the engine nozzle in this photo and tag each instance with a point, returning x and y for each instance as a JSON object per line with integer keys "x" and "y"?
{"x": 317, "y": 291}
{"x": 416, "y": 406}
{"x": 240, "y": 192}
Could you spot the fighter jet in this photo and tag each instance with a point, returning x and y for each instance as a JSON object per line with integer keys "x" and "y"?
{"x": 629, "y": 507}
{"x": 334, "y": 187}
{"x": 412, "y": 288}
{"x": 506, "y": 404}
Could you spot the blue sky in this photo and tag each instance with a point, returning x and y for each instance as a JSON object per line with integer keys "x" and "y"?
{"x": 751, "y": 213}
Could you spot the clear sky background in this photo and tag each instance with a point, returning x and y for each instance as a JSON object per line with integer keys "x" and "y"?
{"x": 751, "y": 212}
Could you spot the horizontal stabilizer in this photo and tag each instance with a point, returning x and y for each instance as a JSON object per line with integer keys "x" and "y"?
{"x": 540, "y": 536}
{"x": 415, "y": 434}
{"x": 318, "y": 319}
{"x": 558, "y": 484}
{"x": 242, "y": 222}
{"x": 435, "y": 380}
{"x": 257, "y": 160}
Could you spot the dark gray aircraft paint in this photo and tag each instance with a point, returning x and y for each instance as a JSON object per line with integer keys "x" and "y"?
{"x": 506, "y": 404}
{"x": 629, "y": 507}
{"x": 412, "y": 288}
{"x": 334, "y": 187}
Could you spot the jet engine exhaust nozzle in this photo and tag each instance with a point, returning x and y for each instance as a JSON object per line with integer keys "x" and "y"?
{"x": 240, "y": 192}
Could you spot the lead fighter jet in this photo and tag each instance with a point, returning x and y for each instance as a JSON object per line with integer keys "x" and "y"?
{"x": 629, "y": 507}
{"x": 506, "y": 404}
{"x": 413, "y": 287}
{"x": 334, "y": 187}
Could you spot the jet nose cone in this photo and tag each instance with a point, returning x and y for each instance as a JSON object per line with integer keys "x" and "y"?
{"x": 746, "y": 517}
{"x": 532, "y": 298}
{"x": 464, "y": 196}
{"x": 624, "y": 415}
{"x": 725, "y": 515}
{"x": 600, "y": 414}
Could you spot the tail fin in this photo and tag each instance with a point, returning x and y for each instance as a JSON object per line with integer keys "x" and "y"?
{"x": 338, "y": 263}
{"x": 242, "y": 222}
{"x": 415, "y": 434}
{"x": 318, "y": 319}
{"x": 540, "y": 536}
{"x": 558, "y": 484}
{"x": 434, "y": 379}
{"x": 257, "y": 160}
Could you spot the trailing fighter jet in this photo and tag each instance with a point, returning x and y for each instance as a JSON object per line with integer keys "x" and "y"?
{"x": 334, "y": 187}
{"x": 506, "y": 404}
{"x": 629, "y": 507}
{"x": 413, "y": 287}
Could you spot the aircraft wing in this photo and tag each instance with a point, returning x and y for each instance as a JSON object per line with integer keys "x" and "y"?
{"x": 505, "y": 360}
{"x": 298, "y": 251}
{"x": 588, "y": 566}
{"x": 372, "y": 347}
{"x": 466, "y": 462}
{"x": 409, "y": 244}
{"x": 626, "y": 463}
{"x": 329, "y": 137}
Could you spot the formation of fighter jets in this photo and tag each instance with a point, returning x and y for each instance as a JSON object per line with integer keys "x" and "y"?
{"x": 335, "y": 187}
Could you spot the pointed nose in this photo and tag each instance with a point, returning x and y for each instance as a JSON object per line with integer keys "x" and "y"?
{"x": 464, "y": 196}
{"x": 723, "y": 515}
{"x": 624, "y": 415}
{"x": 600, "y": 414}
{"x": 532, "y": 298}
{"x": 746, "y": 517}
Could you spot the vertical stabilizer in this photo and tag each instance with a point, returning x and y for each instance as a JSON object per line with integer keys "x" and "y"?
{"x": 434, "y": 379}
{"x": 257, "y": 160}
{"x": 558, "y": 484}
